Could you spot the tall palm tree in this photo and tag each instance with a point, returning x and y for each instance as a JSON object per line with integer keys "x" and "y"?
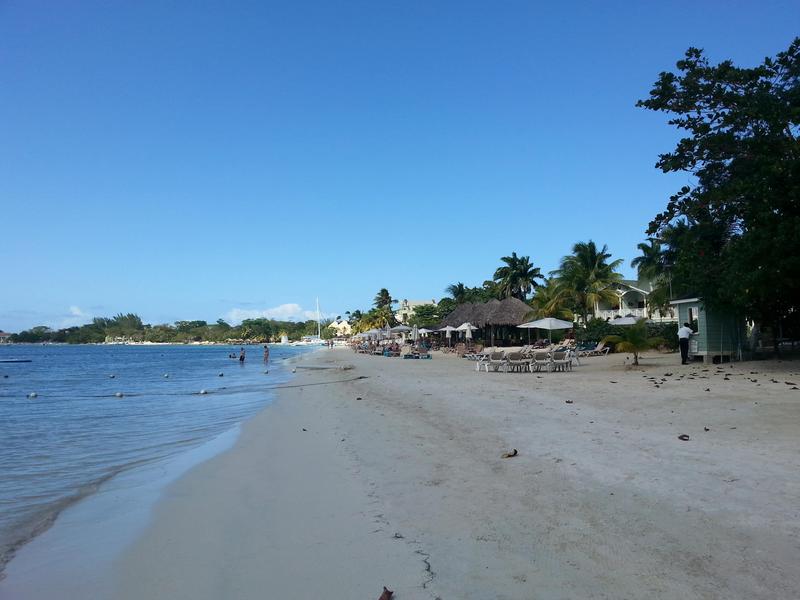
{"x": 650, "y": 264}
{"x": 383, "y": 298}
{"x": 653, "y": 265}
{"x": 586, "y": 276}
{"x": 518, "y": 277}
{"x": 458, "y": 292}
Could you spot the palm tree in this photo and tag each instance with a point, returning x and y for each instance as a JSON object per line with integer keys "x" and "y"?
{"x": 518, "y": 277}
{"x": 551, "y": 300}
{"x": 653, "y": 265}
{"x": 650, "y": 265}
{"x": 586, "y": 276}
{"x": 458, "y": 292}
{"x": 634, "y": 339}
{"x": 382, "y": 298}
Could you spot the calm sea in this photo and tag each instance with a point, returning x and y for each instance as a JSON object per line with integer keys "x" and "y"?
{"x": 77, "y": 432}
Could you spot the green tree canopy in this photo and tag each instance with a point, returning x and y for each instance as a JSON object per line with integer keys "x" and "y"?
{"x": 517, "y": 277}
{"x": 736, "y": 242}
{"x": 383, "y": 298}
{"x": 585, "y": 276}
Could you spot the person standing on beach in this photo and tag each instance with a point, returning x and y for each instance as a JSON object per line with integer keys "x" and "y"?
{"x": 266, "y": 354}
{"x": 684, "y": 333}
{"x": 241, "y": 355}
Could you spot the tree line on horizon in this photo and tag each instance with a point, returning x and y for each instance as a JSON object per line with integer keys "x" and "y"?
{"x": 130, "y": 327}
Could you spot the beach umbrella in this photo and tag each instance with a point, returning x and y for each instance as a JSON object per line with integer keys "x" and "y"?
{"x": 548, "y": 323}
{"x": 448, "y": 329}
{"x": 624, "y": 321}
{"x": 425, "y": 330}
{"x": 400, "y": 329}
{"x": 467, "y": 328}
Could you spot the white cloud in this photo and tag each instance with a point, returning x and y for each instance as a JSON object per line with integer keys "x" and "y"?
{"x": 74, "y": 317}
{"x": 284, "y": 312}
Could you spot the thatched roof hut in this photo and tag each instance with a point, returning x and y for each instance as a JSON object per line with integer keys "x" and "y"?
{"x": 510, "y": 311}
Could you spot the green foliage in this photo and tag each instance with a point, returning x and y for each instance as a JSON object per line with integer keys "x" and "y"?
{"x": 551, "y": 300}
{"x": 734, "y": 232}
{"x": 596, "y": 330}
{"x": 585, "y": 277}
{"x": 517, "y": 277}
{"x": 633, "y": 339}
{"x": 130, "y": 328}
{"x": 383, "y": 298}
{"x": 426, "y": 314}
{"x": 668, "y": 332}
{"x": 446, "y": 306}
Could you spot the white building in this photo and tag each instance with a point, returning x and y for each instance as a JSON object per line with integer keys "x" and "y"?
{"x": 632, "y": 302}
{"x": 406, "y": 308}
{"x": 4, "y": 337}
{"x": 341, "y": 327}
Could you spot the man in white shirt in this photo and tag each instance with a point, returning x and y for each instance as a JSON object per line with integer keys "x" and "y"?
{"x": 684, "y": 333}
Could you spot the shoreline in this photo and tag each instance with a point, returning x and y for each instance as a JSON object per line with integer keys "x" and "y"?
{"x": 72, "y": 522}
{"x": 398, "y": 480}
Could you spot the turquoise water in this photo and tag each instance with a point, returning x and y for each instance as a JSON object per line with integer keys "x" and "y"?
{"x": 77, "y": 432}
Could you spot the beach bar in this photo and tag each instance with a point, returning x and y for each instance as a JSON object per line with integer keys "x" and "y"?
{"x": 719, "y": 336}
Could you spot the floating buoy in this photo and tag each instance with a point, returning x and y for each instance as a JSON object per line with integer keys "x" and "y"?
{"x": 221, "y": 375}
{"x": 32, "y": 395}
{"x": 119, "y": 395}
{"x": 166, "y": 375}
{"x": 265, "y": 373}
{"x": 294, "y": 370}
{"x": 111, "y": 376}
{"x": 202, "y": 392}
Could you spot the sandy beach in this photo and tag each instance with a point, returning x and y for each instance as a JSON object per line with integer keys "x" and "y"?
{"x": 390, "y": 473}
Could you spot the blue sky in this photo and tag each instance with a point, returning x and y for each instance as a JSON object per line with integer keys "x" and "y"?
{"x": 197, "y": 160}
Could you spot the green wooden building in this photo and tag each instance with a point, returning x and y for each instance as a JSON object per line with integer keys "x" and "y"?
{"x": 720, "y": 335}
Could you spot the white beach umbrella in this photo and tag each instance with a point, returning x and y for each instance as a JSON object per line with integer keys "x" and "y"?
{"x": 400, "y": 329}
{"x": 467, "y": 328}
{"x": 548, "y": 323}
{"x": 425, "y": 330}
{"x": 448, "y": 329}
{"x": 624, "y": 321}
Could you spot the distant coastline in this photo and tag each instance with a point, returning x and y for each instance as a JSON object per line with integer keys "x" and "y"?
{"x": 130, "y": 329}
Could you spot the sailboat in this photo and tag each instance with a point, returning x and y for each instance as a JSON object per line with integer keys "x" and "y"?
{"x": 313, "y": 340}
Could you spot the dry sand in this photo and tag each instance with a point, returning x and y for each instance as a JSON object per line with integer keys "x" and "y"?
{"x": 397, "y": 479}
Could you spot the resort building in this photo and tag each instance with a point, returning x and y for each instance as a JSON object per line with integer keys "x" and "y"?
{"x": 4, "y": 337}
{"x": 341, "y": 328}
{"x": 406, "y": 308}
{"x": 632, "y": 302}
